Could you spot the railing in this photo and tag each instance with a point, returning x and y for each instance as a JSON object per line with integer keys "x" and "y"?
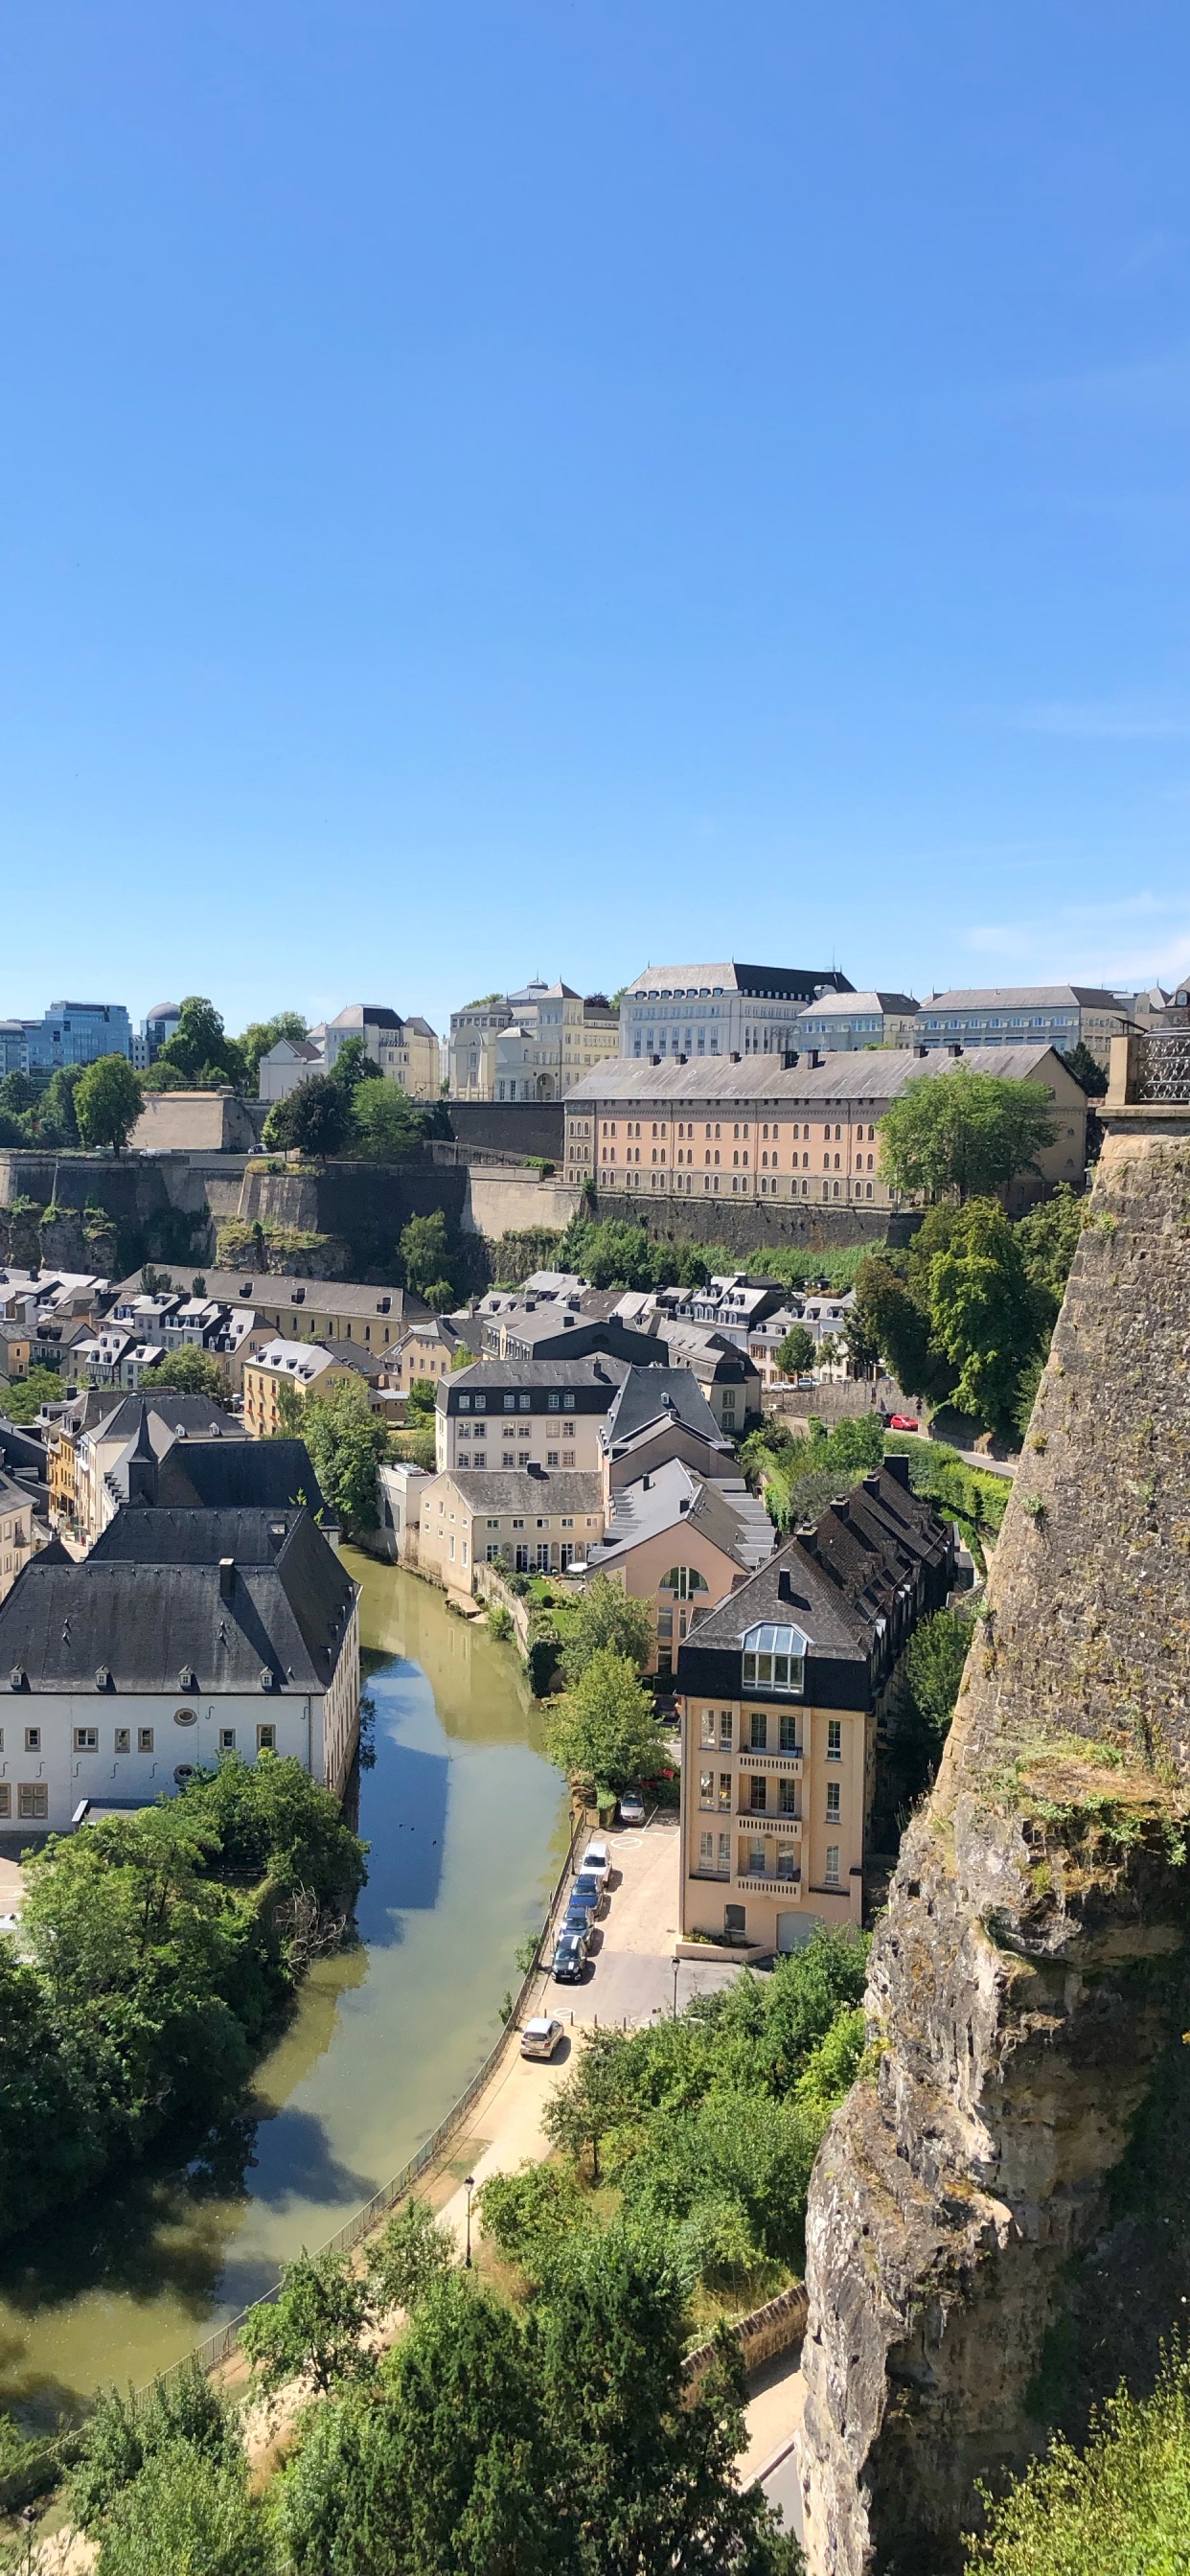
{"x": 218, "y": 2347}
{"x": 1162, "y": 1074}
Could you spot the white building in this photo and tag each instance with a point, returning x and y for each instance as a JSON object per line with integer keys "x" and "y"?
{"x": 858, "y": 1020}
{"x": 719, "y": 1010}
{"x": 184, "y": 1635}
{"x": 1056, "y": 1015}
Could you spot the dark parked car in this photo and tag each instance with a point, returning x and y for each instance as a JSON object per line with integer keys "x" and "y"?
{"x": 570, "y": 1956}
{"x": 580, "y": 1915}
{"x": 588, "y": 1890}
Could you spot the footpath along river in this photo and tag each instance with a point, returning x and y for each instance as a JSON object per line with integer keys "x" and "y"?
{"x": 467, "y": 1826}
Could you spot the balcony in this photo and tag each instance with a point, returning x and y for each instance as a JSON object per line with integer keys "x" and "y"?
{"x": 789, "y": 1826}
{"x": 790, "y": 1764}
{"x": 767, "y": 1883}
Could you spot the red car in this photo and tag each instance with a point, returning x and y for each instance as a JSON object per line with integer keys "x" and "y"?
{"x": 903, "y": 1422}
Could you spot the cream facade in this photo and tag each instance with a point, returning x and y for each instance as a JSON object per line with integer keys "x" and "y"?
{"x": 533, "y": 1045}
{"x": 533, "y": 1523}
{"x": 296, "y": 1365}
{"x": 16, "y": 1532}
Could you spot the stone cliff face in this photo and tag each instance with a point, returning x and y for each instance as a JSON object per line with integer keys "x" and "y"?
{"x": 998, "y": 2223}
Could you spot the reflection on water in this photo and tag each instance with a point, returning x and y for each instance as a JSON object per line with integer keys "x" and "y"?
{"x": 465, "y": 1822}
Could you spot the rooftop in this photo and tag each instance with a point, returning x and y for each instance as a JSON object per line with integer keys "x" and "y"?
{"x": 765, "y": 1082}
{"x": 515, "y": 1489}
{"x": 698, "y": 983}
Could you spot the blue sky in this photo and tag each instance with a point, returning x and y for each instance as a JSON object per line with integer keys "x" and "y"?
{"x": 511, "y": 486}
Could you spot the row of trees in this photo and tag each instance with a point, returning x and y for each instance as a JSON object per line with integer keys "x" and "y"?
{"x": 965, "y": 1315}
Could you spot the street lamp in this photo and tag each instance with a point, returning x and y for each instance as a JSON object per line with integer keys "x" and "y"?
{"x": 469, "y": 2182}
{"x": 677, "y": 1965}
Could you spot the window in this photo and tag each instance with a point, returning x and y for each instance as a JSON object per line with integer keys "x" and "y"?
{"x": 227, "y": 1739}
{"x": 756, "y": 1860}
{"x": 551, "y": 1457}
{"x": 775, "y": 1658}
{"x": 33, "y": 1802}
{"x": 787, "y": 1800}
{"x": 787, "y": 1863}
{"x": 685, "y": 1580}
{"x": 523, "y": 1403}
{"x": 144, "y": 1739}
{"x": 554, "y": 1403}
{"x": 832, "y": 1865}
{"x": 32, "y": 1739}
{"x": 708, "y": 1729}
{"x": 5, "y": 1799}
{"x": 568, "y": 1403}
{"x": 725, "y": 1730}
{"x": 760, "y": 1731}
{"x": 266, "y": 1739}
{"x": 758, "y": 1793}
{"x": 789, "y": 1734}
{"x": 185, "y": 1717}
{"x": 86, "y": 1739}
{"x": 834, "y": 1739}
{"x": 834, "y": 1797}
{"x": 123, "y": 1739}
{"x": 706, "y": 1788}
{"x": 725, "y": 1792}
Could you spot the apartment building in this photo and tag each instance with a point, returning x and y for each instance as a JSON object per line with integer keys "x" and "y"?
{"x": 562, "y": 1328}
{"x": 680, "y": 1544}
{"x": 1014, "y": 1015}
{"x": 851, "y": 1020}
{"x": 113, "y": 1442}
{"x": 408, "y": 1051}
{"x": 720, "y": 1010}
{"x": 307, "y": 1368}
{"x": 782, "y": 1692}
{"x": 659, "y": 1414}
{"x": 182, "y": 1636}
{"x": 16, "y": 1531}
{"x": 531, "y": 1045}
{"x": 504, "y": 1414}
{"x": 313, "y": 1310}
{"x": 536, "y": 1519}
{"x": 808, "y": 1131}
{"x": 726, "y": 1375}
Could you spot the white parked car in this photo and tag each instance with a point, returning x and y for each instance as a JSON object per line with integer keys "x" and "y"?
{"x": 540, "y": 2037}
{"x": 596, "y": 1862}
{"x": 632, "y": 1808}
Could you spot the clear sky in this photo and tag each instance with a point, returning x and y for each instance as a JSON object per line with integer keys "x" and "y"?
{"x": 507, "y": 486}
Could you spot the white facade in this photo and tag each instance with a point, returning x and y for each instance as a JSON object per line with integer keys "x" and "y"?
{"x": 716, "y": 1010}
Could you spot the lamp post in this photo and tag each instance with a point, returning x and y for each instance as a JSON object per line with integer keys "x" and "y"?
{"x": 469, "y": 2181}
{"x": 677, "y": 1965}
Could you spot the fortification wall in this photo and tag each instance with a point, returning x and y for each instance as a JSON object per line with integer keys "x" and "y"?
{"x": 999, "y": 2218}
{"x": 744, "y": 1225}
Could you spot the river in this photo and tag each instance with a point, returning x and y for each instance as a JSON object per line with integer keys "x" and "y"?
{"x": 466, "y": 1824}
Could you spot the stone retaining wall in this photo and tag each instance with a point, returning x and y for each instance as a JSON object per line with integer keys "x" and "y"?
{"x": 774, "y": 2328}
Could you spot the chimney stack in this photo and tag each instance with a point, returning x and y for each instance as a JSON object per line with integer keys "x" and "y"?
{"x": 227, "y": 1576}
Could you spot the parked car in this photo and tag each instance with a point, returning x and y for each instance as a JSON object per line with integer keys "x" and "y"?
{"x": 596, "y": 1862}
{"x": 579, "y": 1915}
{"x": 632, "y": 1808}
{"x": 591, "y": 1888}
{"x": 540, "y": 2036}
{"x": 903, "y": 1422}
{"x": 570, "y": 1956}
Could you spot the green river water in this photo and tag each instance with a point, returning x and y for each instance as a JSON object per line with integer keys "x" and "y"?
{"x": 466, "y": 1823}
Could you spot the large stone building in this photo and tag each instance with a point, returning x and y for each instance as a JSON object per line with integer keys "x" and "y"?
{"x": 758, "y": 1128}
{"x": 853, "y": 1020}
{"x": 1013, "y": 1015}
{"x": 719, "y": 1010}
{"x": 782, "y": 1691}
{"x": 531, "y": 1045}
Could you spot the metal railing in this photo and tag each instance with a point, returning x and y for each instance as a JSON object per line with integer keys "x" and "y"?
{"x": 218, "y": 2347}
{"x": 1162, "y": 1068}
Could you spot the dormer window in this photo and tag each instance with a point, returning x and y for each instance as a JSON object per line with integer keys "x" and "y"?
{"x": 775, "y": 1659}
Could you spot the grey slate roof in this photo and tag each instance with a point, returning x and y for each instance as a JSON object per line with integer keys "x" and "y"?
{"x": 261, "y": 1475}
{"x": 513, "y": 1489}
{"x": 594, "y": 1369}
{"x": 149, "y": 1620}
{"x": 873, "y": 1076}
{"x": 836, "y": 1587}
{"x": 654, "y": 1396}
{"x": 672, "y": 1498}
{"x": 195, "y": 1415}
{"x": 274, "y": 1295}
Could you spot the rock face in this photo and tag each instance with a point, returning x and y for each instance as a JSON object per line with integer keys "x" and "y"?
{"x": 994, "y": 2233}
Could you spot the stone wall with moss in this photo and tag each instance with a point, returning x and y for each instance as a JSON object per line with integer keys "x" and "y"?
{"x": 999, "y": 2221}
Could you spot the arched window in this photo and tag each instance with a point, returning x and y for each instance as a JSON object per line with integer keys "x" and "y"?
{"x": 775, "y": 1659}
{"x": 685, "y": 1580}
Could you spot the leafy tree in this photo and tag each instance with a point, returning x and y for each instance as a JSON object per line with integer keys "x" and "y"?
{"x": 1121, "y": 2508}
{"x": 412, "y": 2254}
{"x": 119, "y": 2437}
{"x": 1086, "y": 1069}
{"x": 200, "y": 1048}
{"x": 21, "y": 1402}
{"x": 966, "y": 1132}
{"x": 592, "y": 2102}
{"x": 186, "y": 2512}
{"x": 526, "y": 2213}
{"x": 354, "y": 1065}
{"x": 17, "y": 1093}
{"x": 315, "y": 1118}
{"x": 604, "y": 1729}
{"x": 1047, "y": 1239}
{"x": 796, "y": 1354}
{"x": 261, "y": 1036}
{"x": 934, "y": 1661}
{"x": 693, "y": 1267}
{"x": 387, "y": 1126}
{"x": 192, "y": 1372}
{"x": 269, "y": 1818}
{"x": 57, "y": 1122}
{"x": 983, "y": 1313}
{"x": 107, "y": 1102}
{"x": 347, "y": 1442}
{"x": 12, "y": 1130}
{"x": 897, "y": 1324}
{"x": 425, "y": 1252}
{"x": 167, "y": 1077}
{"x": 859, "y": 1338}
{"x": 421, "y": 1401}
{"x": 313, "y": 2328}
{"x": 606, "y": 1618}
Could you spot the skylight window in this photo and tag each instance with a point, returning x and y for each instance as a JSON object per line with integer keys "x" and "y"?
{"x": 775, "y": 1659}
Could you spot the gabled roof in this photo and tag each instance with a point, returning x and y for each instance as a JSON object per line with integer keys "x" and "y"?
{"x": 837, "y": 1584}
{"x": 260, "y": 1475}
{"x": 197, "y": 1416}
{"x": 672, "y": 1498}
{"x": 513, "y": 1489}
{"x": 652, "y": 1397}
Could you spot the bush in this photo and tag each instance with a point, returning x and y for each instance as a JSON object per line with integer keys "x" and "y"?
{"x": 500, "y": 1621}
{"x": 1121, "y": 2509}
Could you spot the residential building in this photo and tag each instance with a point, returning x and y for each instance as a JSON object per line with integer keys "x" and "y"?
{"x": 399, "y": 1495}
{"x": 1017, "y": 1015}
{"x": 183, "y": 1635}
{"x": 725, "y": 1373}
{"x": 16, "y": 1351}
{"x": 114, "y": 1357}
{"x": 658, "y": 1414}
{"x": 733, "y": 1302}
{"x": 68, "y": 1033}
{"x": 766, "y": 1130}
{"x": 426, "y": 1351}
{"x": 175, "y": 1322}
{"x": 680, "y": 1544}
{"x": 720, "y": 1010}
{"x": 783, "y": 1689}
{"x": 531, "y": 1045}
{"x": 857, "y": 1020}
{"x": 33, "y": 1297}
{"x": 823, "y": 1318}
{"x": 300, "y": 1309}
{"x": 535, "y": 1520}
{"x": 111, "y": 1438}
{"x": 408, "y": 1052}
{"x": 561, "y": 1327}
{"x": 305, "y": 1367}
{"x": 504, "y": 1414}
{"x": 291, "y": 1061}
{"x": 16, "y": 1531}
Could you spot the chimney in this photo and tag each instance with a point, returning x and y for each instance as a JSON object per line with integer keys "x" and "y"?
{"x": 871, "y": 1484}
{"x": 683, "y": 1059}
{"x": 227, "y": 1576}
{"x": 898, "y": 1467}
{"x": 814, "y": 1059}
{"x": 807, "y": 1537}
{"x": 954, "y": 1050}
{"x": 734, "y": 1057}
{"x": 784, "y": 1584}
{"x": 920, "y": 1050}
{"x": 789, "y": 1059}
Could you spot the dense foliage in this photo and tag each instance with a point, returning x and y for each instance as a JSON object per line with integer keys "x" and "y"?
{"x": 964, "y": 1131}
{"x": 193, "y": 1372}
{"x": 1121, "y": 2508}
{"x": 800, "y": 1474}
{"x": 21, "y": 1399}
{"x": 966, "y": 1314}
{"x": 603, "y": 1731}
{"x": 150, "y": 1981}
{"x": 604, "y": 1618}
{"x": 347, "y": 1442}
{"x": 107, "y": 1102}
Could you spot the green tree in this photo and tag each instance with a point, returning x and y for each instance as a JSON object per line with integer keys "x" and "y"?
{"x": 897, "y": 1323}
{"x": 1047, "y": 1239}
{"x": 964, "y": 1132}
{"x": 1120, "y": 2508}
{"x": 192, "y": 1371}
{"x": 119, "y": 2437}
{"x": 314, "y": 2326}
{"x": 21, "y": 1402}
{"x": 166, "y": 1077}
{"x": 606, "y": 1619}
{"x": 412, "y": 2254}
{"x": 425, "y": 1253}
{"x": 387, "y": 1126}
{"x": 17, "y": 1093}
{"x": 354, "y": 1065}
{"x": 1086, "y": 1069}
{"x": 347, "y": 1442}
{"x": 315, "y": 1118}
{"x": 261, "y": 1036}
{"x": 58, "y": 1121}
{"x": 107, "y": 1102}
{"x": 421, "y": 1401}
{"x": 983, "y": 1313}
{"x": 200, "y": 1048}
{"x": 270, "y": 1819}
{"x": 796, "y": 1354}
{"x": 185, "y": 2512}
{"x": 934, "y": 1661}
{"x": 604, "y": 1729}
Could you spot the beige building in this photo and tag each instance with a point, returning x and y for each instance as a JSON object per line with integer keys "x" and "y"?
{"x": 680, "y": 1544}
{"x": 503, "y": 1414}
{"x": 16, "y": 1350}
{"x": 1010, "y": 1015}
{"x": 316, "y": 1310}
{"x": 427, "y": 1350}
{"x": 408, "y": 1052}
{"x": 759, "y": 1129}
{"x": 532, "y": 1045}
{"x": 534, "y": 1520}
{"x": 783, "y": 1689}
{"x": 16, "y": 1531}
{"x": 104, "y": 1448}
{"x": 307, "y": 1368}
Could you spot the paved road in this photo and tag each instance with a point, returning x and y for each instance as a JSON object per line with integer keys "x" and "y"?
{"x": 630, "y": 1975}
